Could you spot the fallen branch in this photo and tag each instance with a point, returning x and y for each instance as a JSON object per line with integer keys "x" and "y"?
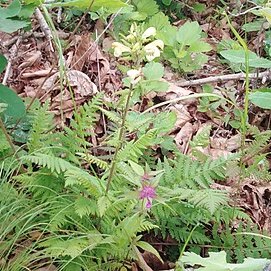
{"x": 221, "y": 78}
{"x": 44, "y": 27}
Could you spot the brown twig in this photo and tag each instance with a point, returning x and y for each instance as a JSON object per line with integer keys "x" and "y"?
{"x": 222, "y": 78}
{"x": 44, "y": 27}
{"x": 13, "y": 53}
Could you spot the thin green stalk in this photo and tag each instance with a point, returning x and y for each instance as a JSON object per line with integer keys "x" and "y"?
{"x": 120, "y": 139}
{"x": 244, "y": 119}
{"x": 61, "y": 63}
{"x": 2, "y": 126}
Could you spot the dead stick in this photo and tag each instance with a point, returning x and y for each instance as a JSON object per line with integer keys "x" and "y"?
{"x": 221, "y": 78}
{"x": 13, "y": 50}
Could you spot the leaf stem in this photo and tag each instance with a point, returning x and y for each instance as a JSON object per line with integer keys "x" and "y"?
{"x": 120, "y": 139}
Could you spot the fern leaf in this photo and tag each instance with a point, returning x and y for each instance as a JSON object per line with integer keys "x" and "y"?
{"x": 55, "y": 164}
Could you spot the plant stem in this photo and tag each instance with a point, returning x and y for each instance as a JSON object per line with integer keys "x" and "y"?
{"x": 120, "y": 139}
{"x": 2, "y": 126}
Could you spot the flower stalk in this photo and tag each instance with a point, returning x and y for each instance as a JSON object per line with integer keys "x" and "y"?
{"x": 120, "y": 139}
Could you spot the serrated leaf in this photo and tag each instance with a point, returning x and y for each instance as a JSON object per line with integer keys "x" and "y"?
{"x": 217, "y": 262}
{"x": 154, "y": 85}
{"x": 238, "y": 56}
{"x": 103, "y": 204}
{"x": 189, "y": 33}
{"x": 147, "y": 8}
{"x": 153, "y": 71}
{"x": 83, "y": 206}
{"x": 261, "y": 99}
{"x": 16, "y": 107}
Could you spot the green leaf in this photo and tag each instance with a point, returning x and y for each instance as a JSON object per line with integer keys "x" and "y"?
{"x": 3, "y": 63}
{"x": 147, "y": 247}
{"x": 217, "y": 262}
{"x": 12, "y": 10}
{"x": 10, "y": 25}
{"x": 200, "y": 47}
{"x": 112, "y": 5}
{"x": 153, "y": 71}
{"x": 153, "y": 85}
{"x": 253, "y": 26}
{"x": 261, "y": 99}
{"x": 159, "y": 21}
{"x": 238, "y": 56}
{"x": 166, "y": 2}
{"x": 146, "y": 8}
{"x": 189, "y": 33}
{"x": 16, "y": 107}
{"x": 139, "y": 170}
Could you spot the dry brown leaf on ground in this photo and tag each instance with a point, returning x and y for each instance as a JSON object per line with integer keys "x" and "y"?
{"x": 229, "y": 144}
{"x": 253, "y": 202}
{"x": 174, "y": 92}
{"x": 87, "y": 51}
{"x": 50, "y": 267}
{"x": 184, "y": 136}
{"x": 30, "y": 59}
{"x": 82, "y": 44}
{"x": 79, "y": 81}
{"x": 182, "y": 114}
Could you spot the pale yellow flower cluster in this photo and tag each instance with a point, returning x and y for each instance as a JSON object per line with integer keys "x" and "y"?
{"x": 151, "y": 49}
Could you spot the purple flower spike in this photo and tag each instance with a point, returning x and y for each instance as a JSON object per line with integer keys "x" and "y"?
{"x": 148, "y": 192}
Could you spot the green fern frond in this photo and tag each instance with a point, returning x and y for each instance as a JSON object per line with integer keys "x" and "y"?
{"x": 133, "y": 149}
{"x": 94, "y": 160}
{"x": 147, "y": 226}
{"x": 39, "y": 136}
{"x": 55, "y": 164}
{"x": 77, "y": 176}
{"x": 113, "y": 116}
{"x": 210, "y": 199}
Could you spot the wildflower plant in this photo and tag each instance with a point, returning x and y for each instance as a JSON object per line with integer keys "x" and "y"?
{"x": 139, "y": 45}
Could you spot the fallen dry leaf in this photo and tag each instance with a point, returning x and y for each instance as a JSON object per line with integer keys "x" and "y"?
{"x": 30, "y": 59}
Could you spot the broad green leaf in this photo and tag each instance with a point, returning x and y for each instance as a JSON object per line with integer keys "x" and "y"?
{"x": 153, "y": 85}
{"x": 189, "y": 33}
{"x": 261, "y": 99}
{"x": 3, "y": 63}
{"x": 10, "y": 26}
{"x": 139, "y": 170}
{"x": 238, "y": 56}
{"x": 147, "y": 247}
{"x": 12, "y": 10}
{"x": 253, "y": 26}
{"x": 148, "y": 8}
{"x": 153, "y": 71}
{"x": 16, "y": 107}
{"x": 217, "y": 262}
{"x": 112, "y": 5}
{"x": 158, "y": 21}
{"x": 200, "y": 47}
